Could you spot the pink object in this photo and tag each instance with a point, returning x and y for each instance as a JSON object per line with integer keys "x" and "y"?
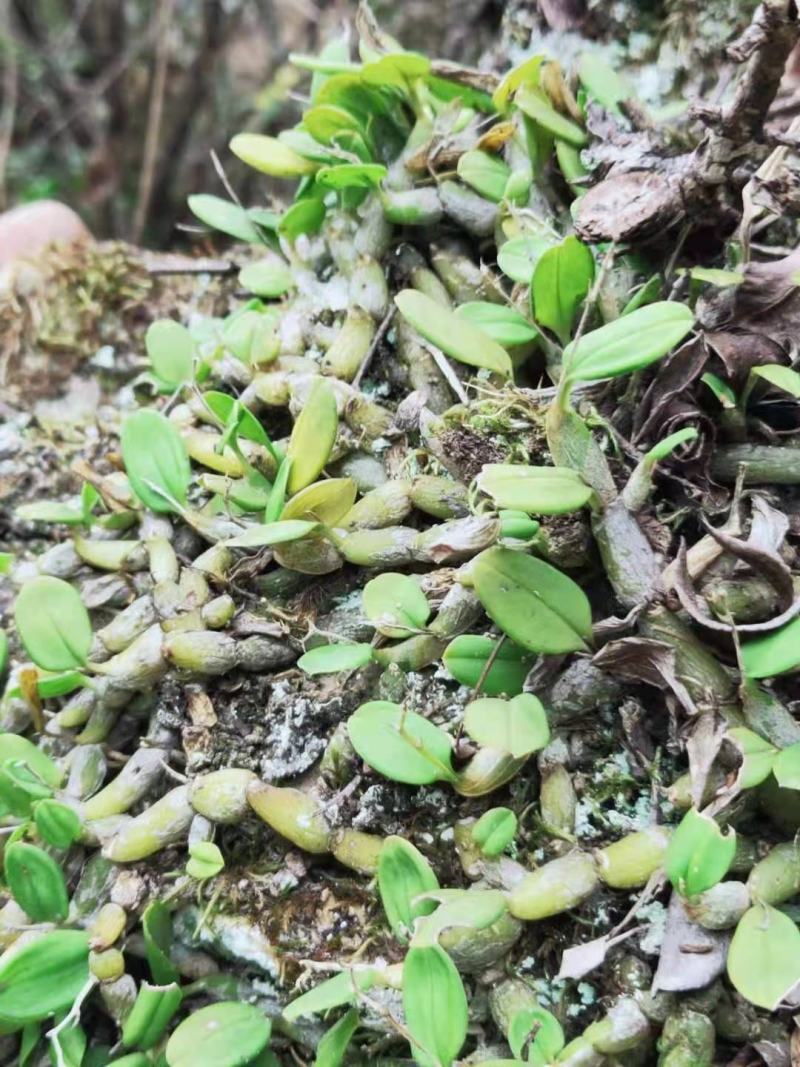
{"x": 27, "y": 229}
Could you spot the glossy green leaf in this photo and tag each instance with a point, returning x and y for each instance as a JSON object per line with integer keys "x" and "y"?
{"x": 629, "y": 343}
{"x": 535, "y": 490}
{"x": 434, "y": 1005}
{"x": 536, "y": 106}
{"x": 53, "y": 624}
{"x": 399, "y": 744}
{"x": 773, "y": 653}
{"x": 332, "y": 1047}
{"x": 464, "y": 909}
{"x": 331, "y": 659}
{"x": 304, "y": 216}
{"x": 14, "y": 747}
{"x": 395, "y": 604}
{"x": 783, "y": 378}
{"x": 57, "y": 824}
{"x": 517, "y": 524}
{"x": 313, "y": 436}
{"x": 525, "y": 73}
{"x": 205, "y": 860}
{"x": 43, "y": 976}
{"x": 351, "y": 175}
{"x": 456, "y": 338}
{"x": 667, "y": 446}
{"x": 156, "y": 460}
{"x": 170, "y": 349}
{"x": 227, "y": 1034}
{"x": 277, "y": 498}
{"x": 225, "y": 216}
{"x": 764, "y": 957}
{"x": 541, "y": 1031}
{"x": 699, "y": 854}
{"x": 485, "y": 173}
{"x": 758, "y": 756}
{"x": 224, "y": 407}
{"x": 332, "y": 993}
{"x": 494, "y": 831}
{"x": 466, "y": 658}
{"x": 518, "y": 257}
{"x": 272, "y": 533}
{"x": 561, "y": 281}
{"x": 786, "y": 767}
{"x": 518, "y": 726}
{"x": 533, "y": 603}
{"x": 271, "y": 277}
{"x": 252, "y": 336}
{"x": 270, "y": 156}
{"x": 326, "y": 501}
{"x": 505, "y": 325}
{"x": 403, "y": 875}
{"x": 36, "y": 882}
{"x": 150, "y": 1015}
{"x": 721, "y": 390}
{"x": 50, "y": 511}
{"x": 157, "y": 931}
{"x": 602, "y": 82}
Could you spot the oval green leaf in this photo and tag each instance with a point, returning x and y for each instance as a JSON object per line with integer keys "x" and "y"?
{"x": 699, "y": 854}
{"x": 156, "y": 460}
{"x": 331, "y": 659}
{"x": 270, "y": 156}
{"x": 537, "y": 107}
{"x": 764, "y": 957}
{"x": 403, "y": 875}
{"x": 313, "y": 435}
{"x": 229, "y": 1034}
{"x": 224, "y": 216}
{"x": 272, "y": 533}
{"x": 505, "y": 325}
{"x": 561, "y": 280}
{"x": 535, "y": 490}
{"x": 400, "y": 745}
{"x": 43, "y": 976}
{"x": 518, "y": 726}
{"x": 435, "y": 1006}
{"x": 494, "y": 831}
{"x": 395, "y": 604}
{"x": 533, "y": 603}
{"x": 270, "y": 277}
{"x": 485, "y": 173}
{"x": 36, "y": 882}
{"x": 456, "y": 338}
{"x": 775, "y": 653}
{"x": 170, "y": 349}
{"x": 53, "y": 624}
{"x": 466, "y": 658}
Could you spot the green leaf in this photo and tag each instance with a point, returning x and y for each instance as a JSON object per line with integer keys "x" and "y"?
{"x": 535, "y": 490}
{"x": 332, "y": 1047}
{"x": 629, "y": 343}
{"x": 157, "y": 931}
{"x": 518, "y": 726}
{"x": 664, "y": 448}
{"x": 721, "y": 278}
{"x": 721, "y": 390}
{"x": 206, "y": 860}
{"x": 544, "y": 1029}
{"x": 536, "y": 106}
{"x": 228, "y": 1034}
{"x": 758, "y": 756}
{"x": 36, "y": 882}
{"x": 43, "y": 976}
{"x": 53, "y": 624}
{"x": 403, "y": 875}
{"x": 271, "y": 277}
{"x": 505, "y": 325}
{"x": 270, "y": 156}
{"x": 272, "y": 533}
{"x": 518, "y": 257}
{"x": 304, "y": 216}
{"x": 786, "y": 767}
{"x": 781, "y": 377}
{"x": 561, "y": 280}
{"x": 434, "y": 1005}
{"x": 525, "y": 73}
{"x": 326, "y": 501}
{"x": 774, "y": 653}
{"x": 50, "y": 511}
{"x": 399, "y": 744}
{"x": 517, "y": 524}
{"x": 456, "y": 338}
{"x": 224, "y": 216}
{"x": 277, "y": 497}
{"x": 150, "y": 1015}
{"x": 58, "y": 825}
{"x": 494, "y": 831}
{"x": 395, "y": 604}
{"x": 699, "y": 854}
{"x": 170, "y": 349}
{"x": 602, "y": 82}
{"x": 332, "y": 993}
{"x": 156, "y": 460}
{"x": 466, "y": 658}
{"x": 224, "y": 407}
{"x": 331, "y": 659}
{"x": 313, "y": 436}
{"x": 485, "y": 173}
{"x": 351, "y": 175}
{"x": 533, "y": 603}
{"x": 14, "y": 747}
{"x": 465, "y": 909}
{"x": 764, "y": 957}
